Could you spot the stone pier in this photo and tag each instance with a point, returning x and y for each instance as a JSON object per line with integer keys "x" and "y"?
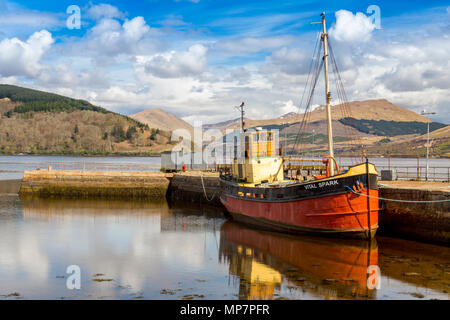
{"x": 84, "y": 184}
{"x": 418, "y": 221}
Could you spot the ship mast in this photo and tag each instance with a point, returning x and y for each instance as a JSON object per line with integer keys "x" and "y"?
{"x": 327, "y": 93}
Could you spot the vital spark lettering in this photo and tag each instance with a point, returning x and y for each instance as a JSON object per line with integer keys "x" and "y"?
{"x": 321, "y": 184}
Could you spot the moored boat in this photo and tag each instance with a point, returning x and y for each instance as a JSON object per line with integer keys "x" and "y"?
{"x": 257, "y": 191}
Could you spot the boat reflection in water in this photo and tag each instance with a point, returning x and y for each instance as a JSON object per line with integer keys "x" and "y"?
{"x": 266, "y": 263}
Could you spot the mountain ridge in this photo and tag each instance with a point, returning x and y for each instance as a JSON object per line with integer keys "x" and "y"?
{"x": 38, "y": 122}
{"x": 158, "y": 118}
{"x": 380, "y": 109}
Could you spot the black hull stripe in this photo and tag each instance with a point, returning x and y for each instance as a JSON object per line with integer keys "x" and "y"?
{"x": 298, "y": 191}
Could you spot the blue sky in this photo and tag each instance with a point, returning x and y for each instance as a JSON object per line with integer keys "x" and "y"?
{"x": 197, "y": 59}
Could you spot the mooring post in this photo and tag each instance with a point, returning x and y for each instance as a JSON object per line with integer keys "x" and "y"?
{"x": 368, "y": 199}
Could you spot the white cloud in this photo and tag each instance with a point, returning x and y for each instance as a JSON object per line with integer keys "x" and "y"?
{"x": 109, "y": 39}
{"x": 242, "y": 46}
{"x": 15, "y": 19}
{"x": 19, "y": 58}
{"x": 126, "y": 65}
{"x": 288, "y": 107}
{"x": 104, "y": 11}
{"x": 289, "y": 60}
{"x": 32, "y": 19}
{"x": 351, "y": 27}
{"x": 175, "y": 64}
{"x": 172, "y": 20}
{"x": 135, "y": 29}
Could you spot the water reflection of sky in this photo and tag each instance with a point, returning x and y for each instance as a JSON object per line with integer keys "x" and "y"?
{"x": 146, "y": 248}
{"x": 12, "y": 167}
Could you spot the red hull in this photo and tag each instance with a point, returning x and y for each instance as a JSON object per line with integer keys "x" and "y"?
{"x": 338, "y": 214}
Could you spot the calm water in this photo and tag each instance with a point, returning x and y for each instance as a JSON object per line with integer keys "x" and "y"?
{"x": 159, "y": 251}
{"x": 12, "y": 167}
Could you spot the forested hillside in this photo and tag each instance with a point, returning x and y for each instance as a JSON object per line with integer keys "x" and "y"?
{"x": 34, "y": 100}
{"x": 37, "y": 122}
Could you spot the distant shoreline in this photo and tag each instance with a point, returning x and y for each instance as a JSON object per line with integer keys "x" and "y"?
{"x": 113, "y": 155}
{"x": 156, "y": 155}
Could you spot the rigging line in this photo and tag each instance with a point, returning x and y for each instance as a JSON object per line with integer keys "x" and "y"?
{"x": 345, "y": 105}
{"x": 311, "y": 64}
{"x": 310, "y": 68}
{"x": 303, "y": 134}
{"x": 341, "y": 95}
{"x": 308, "y": 85}
{"x": 342, "y": 110}
{"x": 306, "y": 115}
{"x": 306, "y": 124}
{"x": 347, "y": 117}
{"x": 339, "y": 101}
{"x": 308, "y": 105}
{"x": 397, "y": 200}
{"x": 304, "y": 140}
{"x": 338, "y": 78}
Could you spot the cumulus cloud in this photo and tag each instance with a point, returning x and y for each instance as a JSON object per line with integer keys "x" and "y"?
{"x": 351, "y": 27}
{"x": 288, "y": 60}
{"x": 104, "y": 11}
{"x": 109, "y": 38}
{"x": 23, "y": 58}
{"x": 135, "y": 29}
{"x": 175, "y": 64}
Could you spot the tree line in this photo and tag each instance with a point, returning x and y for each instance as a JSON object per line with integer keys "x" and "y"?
{"x": 390, "y": 128}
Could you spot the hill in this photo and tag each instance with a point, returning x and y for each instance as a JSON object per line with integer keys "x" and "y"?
{"x": 35, "y": 100}
{"x": 368, "y": 110}
{"x": 158, "y": 118}
{"x": 390, "y": 128}
{"x": 234, "y": 123}
{"x": 37, "y": 122}
{"x": 438, "y": 134}
{"x": 416, "y": 145}
{"x": 380, "y": 109}
{"x": 378, "y": 123}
